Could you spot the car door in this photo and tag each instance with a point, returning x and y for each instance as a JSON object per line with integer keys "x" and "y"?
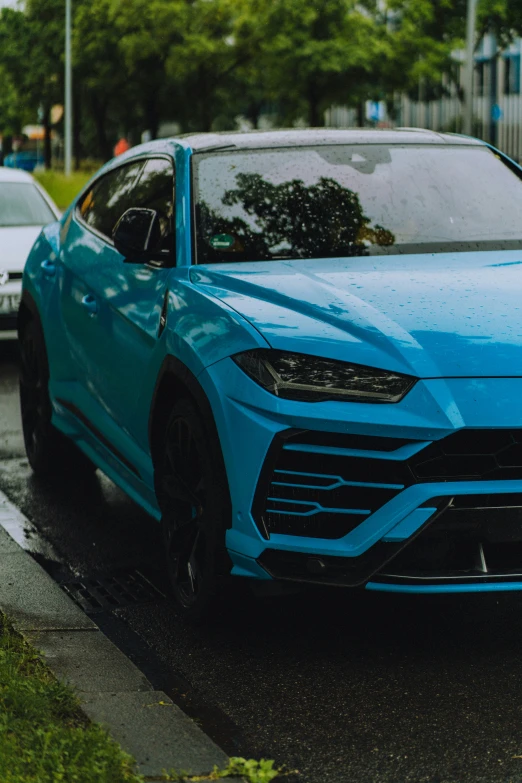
{"x": 112, "y": 308}
{"x": 86, "y": 257}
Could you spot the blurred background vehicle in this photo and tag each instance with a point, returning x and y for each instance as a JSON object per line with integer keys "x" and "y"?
{"x": 24, "y": 208}
{"x": 26, "y": 159}
{"x": 27, "y": 149}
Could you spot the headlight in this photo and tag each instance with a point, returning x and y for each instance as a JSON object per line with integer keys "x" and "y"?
{"x": 296, "y": 376}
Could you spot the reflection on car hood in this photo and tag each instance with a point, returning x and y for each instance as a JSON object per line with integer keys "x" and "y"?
{"x": 15, "y": 244}
{"x": 446, "y": 315}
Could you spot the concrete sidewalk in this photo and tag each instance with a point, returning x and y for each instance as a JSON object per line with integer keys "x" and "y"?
{"x": 113, "y": 691}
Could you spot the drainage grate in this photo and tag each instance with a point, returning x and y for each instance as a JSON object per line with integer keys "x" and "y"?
{"x": 111, "y": 592}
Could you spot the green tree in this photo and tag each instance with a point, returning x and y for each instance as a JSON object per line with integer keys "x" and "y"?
{"x": 146, "y": 31}
{"x": 31, "y": 47}
{"x": 186, "y": 50}
{"x": 312, "y": 55}
{"x": 422, "y": 38}
{"x": 504, "y": 17}
{"x": 101, "y": 80}
{"x": 14, "y": 113}
{"x": 16, "y": 108}
{"x": 206, "y": 63}
{"x": 424, "y": 35}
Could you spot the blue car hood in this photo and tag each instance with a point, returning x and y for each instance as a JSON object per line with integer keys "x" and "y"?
{"x": 440, "y": 315}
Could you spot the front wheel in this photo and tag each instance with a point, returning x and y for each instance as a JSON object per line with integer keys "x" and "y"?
{"x": 193, "y": 495}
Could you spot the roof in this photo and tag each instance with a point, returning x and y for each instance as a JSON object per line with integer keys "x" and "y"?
{"x": 200, "y": 142}
{"x": 203, "y": 142}
{"x": 14, "y": 175}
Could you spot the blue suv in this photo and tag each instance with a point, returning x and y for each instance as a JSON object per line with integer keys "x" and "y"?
{"x": 300, "y": 351}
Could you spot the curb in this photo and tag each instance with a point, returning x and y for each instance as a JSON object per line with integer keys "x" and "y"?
{"x": 112, "y": 690}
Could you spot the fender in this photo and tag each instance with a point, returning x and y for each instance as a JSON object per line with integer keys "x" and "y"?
{"x": 175, "y": 377}
{"x": 184, "y": 379}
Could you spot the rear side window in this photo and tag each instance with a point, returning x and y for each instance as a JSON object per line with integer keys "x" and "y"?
{"x": 107, "y": 200}
{"x": 148, "y": 183}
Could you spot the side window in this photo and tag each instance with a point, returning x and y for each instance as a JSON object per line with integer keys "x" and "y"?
{"x": 155, "y": 190}
{"x": 109, "y": 198}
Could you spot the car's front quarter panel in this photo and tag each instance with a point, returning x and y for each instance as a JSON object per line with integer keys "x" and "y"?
{"x": 201, "y": 330}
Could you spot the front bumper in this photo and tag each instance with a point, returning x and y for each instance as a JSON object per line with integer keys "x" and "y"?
{"x": 10, "y": 295}
{"x": 338, "y": 493}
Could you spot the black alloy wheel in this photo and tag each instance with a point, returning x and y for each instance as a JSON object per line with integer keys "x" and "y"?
{"x": 193, "y": 494}
{"x": 50, "y": 453}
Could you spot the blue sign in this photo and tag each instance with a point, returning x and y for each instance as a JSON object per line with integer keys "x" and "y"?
{"x": 375, "y": 111}
{"x": 496, "y": 112}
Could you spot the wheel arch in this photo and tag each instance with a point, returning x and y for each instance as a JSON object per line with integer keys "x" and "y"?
{"x": 176, "y": 381}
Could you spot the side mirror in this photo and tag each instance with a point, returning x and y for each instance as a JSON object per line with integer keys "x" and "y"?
{"x": 137, "y": 236}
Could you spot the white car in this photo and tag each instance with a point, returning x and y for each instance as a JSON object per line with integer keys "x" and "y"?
{"x": 24, "y": 208}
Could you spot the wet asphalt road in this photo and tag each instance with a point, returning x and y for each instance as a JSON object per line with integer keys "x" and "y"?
{"x": 346, "y": 688}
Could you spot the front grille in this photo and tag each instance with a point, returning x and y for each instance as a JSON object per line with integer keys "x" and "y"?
{"x": 15, "y": 276}
{"x": 323, "y": 485}
{"x": 472, "y": 454}
{"x": 473, "y": 537}
{"x": 490, "y": 518}
{"x": 346, "y": 441}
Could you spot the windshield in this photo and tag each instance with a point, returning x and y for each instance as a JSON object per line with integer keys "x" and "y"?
{"x": 328, "y": 201}
{"x": 21, "y": 204}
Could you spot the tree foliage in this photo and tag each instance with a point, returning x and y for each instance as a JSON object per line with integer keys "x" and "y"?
{"x": 204, "y": 63}
{"x": 323, "y": 220}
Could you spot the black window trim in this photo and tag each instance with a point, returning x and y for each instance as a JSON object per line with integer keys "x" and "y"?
{"x": 142, "y": 158}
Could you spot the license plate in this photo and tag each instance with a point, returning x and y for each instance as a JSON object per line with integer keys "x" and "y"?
{"x": 9, "y": 303}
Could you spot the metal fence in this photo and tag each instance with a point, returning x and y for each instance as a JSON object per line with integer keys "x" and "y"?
{"x": 497, "y": 102}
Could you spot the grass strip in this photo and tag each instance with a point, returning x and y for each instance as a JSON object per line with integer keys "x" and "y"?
{"x": 62, "y": 189}
{"x": 44, "y": 736}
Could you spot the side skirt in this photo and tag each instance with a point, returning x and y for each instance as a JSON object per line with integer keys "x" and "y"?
{"x": 72, "y": 423}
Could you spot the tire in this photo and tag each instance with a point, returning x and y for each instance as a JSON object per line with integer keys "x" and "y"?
{"x": 193, "y": 495}
{"x": 50, "y": 453}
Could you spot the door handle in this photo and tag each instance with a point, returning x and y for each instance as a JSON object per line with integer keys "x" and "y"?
{"x": 49, "y": 269}
{"x": 90, "y": 304}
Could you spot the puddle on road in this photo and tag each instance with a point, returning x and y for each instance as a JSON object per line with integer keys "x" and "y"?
{"x": 27, "y": 535}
